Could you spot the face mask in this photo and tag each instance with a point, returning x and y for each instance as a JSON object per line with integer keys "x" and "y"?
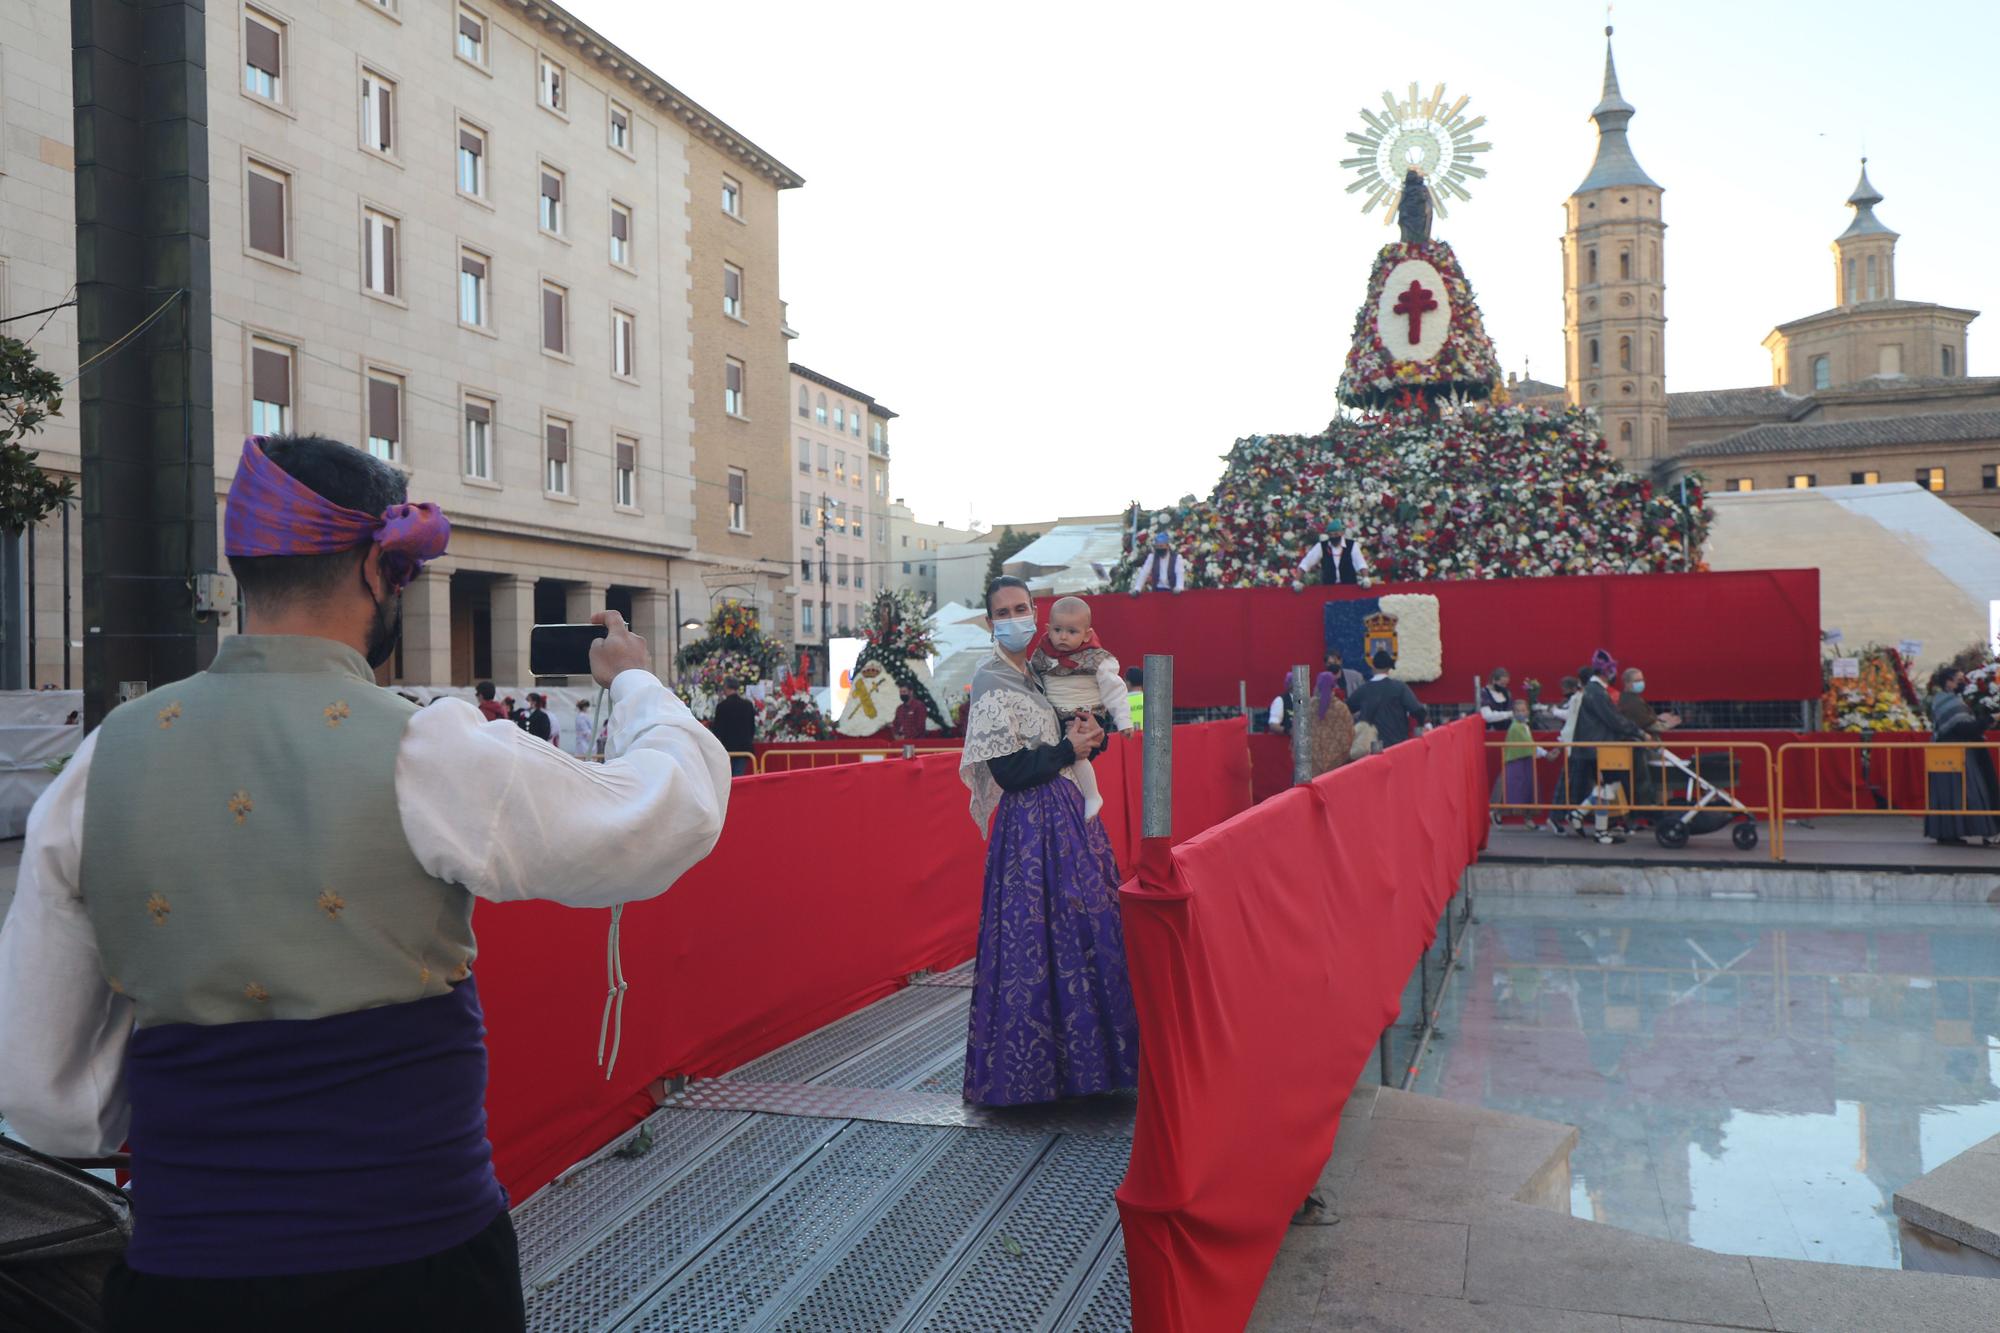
{"x": 384, "y": 633}
{"x": 1637, "y": 687}
{"x": 1014, "y": 635}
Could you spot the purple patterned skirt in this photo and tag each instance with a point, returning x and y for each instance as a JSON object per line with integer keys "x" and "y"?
{"x": 1052, "y": 1009}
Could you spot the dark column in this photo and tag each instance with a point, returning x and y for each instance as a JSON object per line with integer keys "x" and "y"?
{"x": 147, "y": 423}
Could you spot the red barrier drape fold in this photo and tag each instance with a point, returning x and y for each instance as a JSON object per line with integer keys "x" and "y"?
{"x": 1267, "y": 954}
{"x": 827, "y": 889}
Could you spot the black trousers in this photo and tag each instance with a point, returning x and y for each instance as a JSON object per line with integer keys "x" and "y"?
{"x": 471, "y": 1288}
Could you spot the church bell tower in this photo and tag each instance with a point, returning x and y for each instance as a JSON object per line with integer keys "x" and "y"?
{"x": 1614, "y": 292}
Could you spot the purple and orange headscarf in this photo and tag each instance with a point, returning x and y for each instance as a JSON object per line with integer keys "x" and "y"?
{"x": 271, "y": 512}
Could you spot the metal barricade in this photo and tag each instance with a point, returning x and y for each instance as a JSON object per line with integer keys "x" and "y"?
{"x": 841, "y": 754}
{"x": 1877, "y": 782}
{"x": 1659, "y": 768}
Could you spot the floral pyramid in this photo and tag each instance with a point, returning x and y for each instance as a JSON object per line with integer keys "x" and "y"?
{"x": 1483, "y": 491}
{"x": 733, "y": 648}
{"x": 1418, "y": 332}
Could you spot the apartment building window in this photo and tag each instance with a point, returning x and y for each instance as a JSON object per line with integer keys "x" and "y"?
{"x": 855, "y": 528}
{"x": 555, "y": 452}
{"x": 805, "y": 403}
{"x": 378, "y": 113}
{"x": 551, "y": 85}
{"x": 624, "y": 343}
{"x": 858, "y": 568}
{"x": 1863, "y": 478}
{"x": 805, "y": 456}
{"x": 472, "y": 280}
{"x": 806, "y": 515}
{"x": 621, "y": 235}
{"x": 472, "y": 36}
{"x": 552, "y": 200}
{"x": 732, "y": 291}
{"x": 626, "y": 451}
{"x": 732, "y": 198}
{"x": 840, "y": 418}
{"x": 739, "y": 490}
{"x": 471, "y": 160}
{"x": 555, "y": 319}
{"x": 881, "y": 532}
{"x": 263, "y": 57}
{"x": 881, "y": 484}
{"x": 906, "y": 566}
{"x": 840, "y": 467}
{"x": 479, "y": 438}
{"x": 732, "y": 387}
{"x": 385, "y": 415}
{"x": 840, "y": 571}
{"x": 819, "y": 410}
{"x": 386, "y": 6}
{"x": 378, "y": 252}
{"x": 270, "y": 388}
{"x": 825, "y": 451}
{"x": 854, "y": 422}
{"x": 1987, "y": 477}
{"x": 1737, "y": 484}
{"x": 1931, "y": 479}
{"x": 270, "y": 223}
{"x": 843, "y": 618}
{"x": 621, "y": 129}
{"x": 1802, "y": 481}
{"x": 806, "y": 617}
{"x": 1822, "y": 373}
{"x": 877, "y": 427}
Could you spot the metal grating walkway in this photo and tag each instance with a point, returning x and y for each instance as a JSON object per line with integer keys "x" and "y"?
{"x": 840, "y": 1185}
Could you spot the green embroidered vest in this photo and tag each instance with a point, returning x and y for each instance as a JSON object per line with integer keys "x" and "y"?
{"x": 243, "y": 853}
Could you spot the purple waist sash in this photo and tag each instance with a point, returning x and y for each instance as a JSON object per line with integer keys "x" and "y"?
{"x": 310, "y": 1145}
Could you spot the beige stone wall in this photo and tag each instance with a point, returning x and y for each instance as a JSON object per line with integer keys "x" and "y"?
{"x": 37, "y": 269}
{"x": 1963, "y": 464}
{"x": 1861, "y": 343}
{"x": 1623, "y": 300}
{"x": 759, "y": 553}
{"x": 847, "y": 481}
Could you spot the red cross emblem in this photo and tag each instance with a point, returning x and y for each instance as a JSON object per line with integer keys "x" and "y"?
{"x": 1413, "y": 303}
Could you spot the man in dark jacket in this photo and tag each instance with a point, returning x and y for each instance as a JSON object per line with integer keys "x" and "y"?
{"x": 1598, "y": 721}
{"x": 736, "y": 727}
{"x": 1387, "y": 705}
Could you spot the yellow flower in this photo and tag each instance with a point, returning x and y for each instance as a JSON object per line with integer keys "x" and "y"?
{"x": 240, "y": 805}
{"x": 255, "y": 992}
{"x": 336, "y": 712}
{"x": 332, "y": 904}
{"x": 169, "y": 715}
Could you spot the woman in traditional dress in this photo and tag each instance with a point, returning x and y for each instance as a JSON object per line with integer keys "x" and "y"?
{"x": 1330, "y": 726}
{"x": 1955, "y": 721}
{"x": 1496, "y": 706}
{"x": 1052, "y": 1011}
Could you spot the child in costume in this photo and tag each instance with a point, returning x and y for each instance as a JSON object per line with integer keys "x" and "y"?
{"x": 1077, "y": 671}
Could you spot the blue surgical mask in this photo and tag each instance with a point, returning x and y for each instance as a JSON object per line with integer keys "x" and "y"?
{"x": 1637, "y": 687}
{"x": 1014, "y": 635}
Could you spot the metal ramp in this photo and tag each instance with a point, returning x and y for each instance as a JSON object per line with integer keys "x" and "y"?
{"x": 841, "y": 1185}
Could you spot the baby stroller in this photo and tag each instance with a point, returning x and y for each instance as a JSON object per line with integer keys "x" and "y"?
{"x": 61, "y": 1230}
{"x": 1698, "y": 792}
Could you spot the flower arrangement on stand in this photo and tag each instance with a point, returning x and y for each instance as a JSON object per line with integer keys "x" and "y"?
{"x": 1881, "y": 698}
{"x": 732, "y": 647}
{"x": 1482, "y": 492}
{"x": 897, "y": 627}
{"x": 1464, "y": 365}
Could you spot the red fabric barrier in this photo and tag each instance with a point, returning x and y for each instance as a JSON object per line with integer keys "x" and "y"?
{"x": 1675, "y": 625}
{"x": 1270, "y": 764}
{"x": 1267, "y": 955}
{"x": 826, "y": 890}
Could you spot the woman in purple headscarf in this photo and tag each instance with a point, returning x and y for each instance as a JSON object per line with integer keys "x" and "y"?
{"x": 1329, "y": 724}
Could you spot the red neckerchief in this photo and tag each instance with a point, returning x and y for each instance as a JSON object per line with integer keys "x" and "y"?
{"x": 1068, "y": 660}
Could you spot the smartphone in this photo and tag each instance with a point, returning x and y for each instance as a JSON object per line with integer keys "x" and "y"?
{"x": 562, "y": 650}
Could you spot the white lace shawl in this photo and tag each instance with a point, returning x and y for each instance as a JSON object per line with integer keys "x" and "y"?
{"x": 1009, "y": 712}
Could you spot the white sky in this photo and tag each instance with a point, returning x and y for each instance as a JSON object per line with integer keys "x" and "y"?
{"x": 1081, "y": 247}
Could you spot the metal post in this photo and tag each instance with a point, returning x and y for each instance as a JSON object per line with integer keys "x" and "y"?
{"x": 1382, "y": 1055}
{"x": 31, "y": 680}
{"x": 1158, "y": 790}
{"x": 1301, "y": 691}
{"x": 1243, "y": 697}
{"x": 65, "y": 586}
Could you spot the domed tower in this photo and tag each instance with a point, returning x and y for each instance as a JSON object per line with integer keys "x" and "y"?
{"x": 1864, "y": 256}
{"x": 1614, "y": 289}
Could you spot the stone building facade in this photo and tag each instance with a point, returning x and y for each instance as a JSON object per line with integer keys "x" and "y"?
{"x": 483, "y": 242}
{"x": 917, "y": 548}
{"x": 840, "y": 471}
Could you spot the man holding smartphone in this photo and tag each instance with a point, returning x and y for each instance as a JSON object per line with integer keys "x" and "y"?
{"x": 278, "y": 838}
